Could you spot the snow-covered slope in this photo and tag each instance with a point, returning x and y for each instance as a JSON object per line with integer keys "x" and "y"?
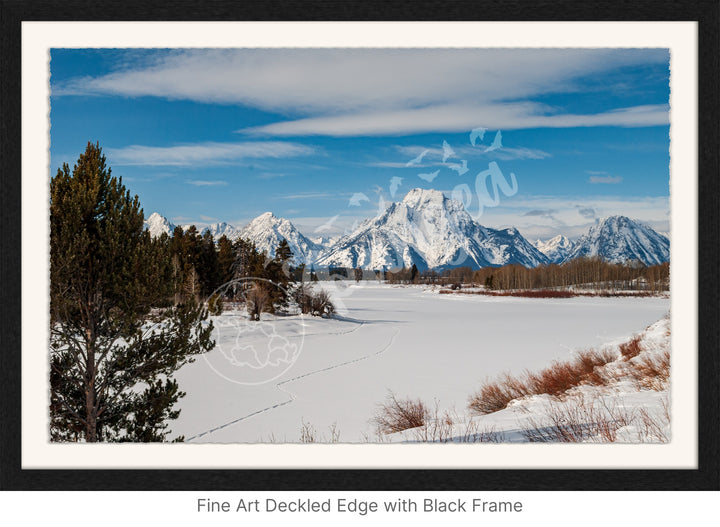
{"x": 556, "y": 249}
{"x": 618, "y": 239}
{"x": 222, "y": 229}
{"x": 430, "y": 231}
{"x": 326, "y": 241}
{"x": 157, "y": 225}
{"x": 267, "y": 231}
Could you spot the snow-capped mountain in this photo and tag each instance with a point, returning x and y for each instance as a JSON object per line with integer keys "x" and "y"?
{"x": 556, "y": 249}
{"x": 222, "y": 229}
{"x": 267, "y": 231}
{"x": 430, "y": 231}
{"x": 325, "y": 241}
{"x": 157, "y": 225}
{"x": 618, "y": 239}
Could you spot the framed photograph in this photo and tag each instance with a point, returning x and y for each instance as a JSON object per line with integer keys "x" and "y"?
{"x": 468, "y": 248}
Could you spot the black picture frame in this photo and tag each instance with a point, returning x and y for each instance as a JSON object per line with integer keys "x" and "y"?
{"x": 705, "y": 477}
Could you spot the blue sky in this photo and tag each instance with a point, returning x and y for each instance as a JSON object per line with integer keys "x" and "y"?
{"x": 320, "y": 135}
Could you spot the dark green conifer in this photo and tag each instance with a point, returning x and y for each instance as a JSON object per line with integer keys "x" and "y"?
{"x": 113, "y": 348}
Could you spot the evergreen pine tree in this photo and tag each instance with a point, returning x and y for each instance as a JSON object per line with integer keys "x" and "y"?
{"x": 226, "y": 257}
{"x": 278, "y": 272}
{"x": 413, "y": 273}
{"x": 112, "y": 351}
{"x": 209, "y": 266}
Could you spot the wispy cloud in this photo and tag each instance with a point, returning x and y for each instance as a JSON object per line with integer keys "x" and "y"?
{"x": 459, "y": 118}
{"x": 587, "y": 212}
{"x": 434, "y": 156}
{"x": 201, "y": 183}
{"x": 572, "y": 215}
{"x": 508, "y": 154}
{"x": 609, "y": 180}
{"x": 309, "y": 195}
{"x": 205, "y": 153}
{"x": 207, "y": 218}
{"x": 544, "y": 213}
{"x": 343, "y": 92}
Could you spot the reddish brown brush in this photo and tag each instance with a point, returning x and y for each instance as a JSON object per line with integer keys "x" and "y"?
{"x": 396, "y": 415}
{"x": 631, "y": 348}
{"x": 539, "y": 293}
{"x": 548, "y": 293}
{"x": 585, "y": 368}
{"x": 652, "y": 371}
{"x": 555, "y": 380}
{"x": 590, "y": 363}
{"x": 496, "y": 395}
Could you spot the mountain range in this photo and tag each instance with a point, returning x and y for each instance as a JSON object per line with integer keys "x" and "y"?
{"x": 431, "y": 231}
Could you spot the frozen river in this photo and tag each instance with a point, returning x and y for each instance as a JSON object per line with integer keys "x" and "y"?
{"x": 262, "y": 382}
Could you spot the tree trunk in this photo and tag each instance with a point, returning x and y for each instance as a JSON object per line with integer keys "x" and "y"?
{"x": 90, "y": 399}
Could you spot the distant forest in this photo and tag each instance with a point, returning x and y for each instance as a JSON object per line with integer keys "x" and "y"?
{"x": 582, "y": 273}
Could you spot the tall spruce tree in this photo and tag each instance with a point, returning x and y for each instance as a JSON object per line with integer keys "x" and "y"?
{"x": 112, "y": 350}
{"x": 278, "y": 271}
{"x": 226, "y": 257}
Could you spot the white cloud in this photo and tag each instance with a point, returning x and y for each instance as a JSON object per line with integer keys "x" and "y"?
{"x": 204, "y": 153}
{"x": 570, "y": 215}
{"x": 459, "y": 118}
{"x": 381, "y": 91}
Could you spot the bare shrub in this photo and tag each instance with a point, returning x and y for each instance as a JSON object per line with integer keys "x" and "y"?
{"x": 654, "y": 428}
{"x": 396, "y": 415}
{"x": 334, "y": 433}
{"x": 447, "y": 426}
{"x": 437, "y": 427}
{"x": 564, "y": 424}
{"x": 322, "y": 304}
{"x": 311, "y": 302}
{"x": 308, "y": 434}
{"x": 302, "y": 295}
{"x": 472, "y": 433}
{"x": 580, "y": 420}
{"x": 257, "y": 299}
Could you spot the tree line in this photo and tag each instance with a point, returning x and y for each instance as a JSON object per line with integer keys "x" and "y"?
{"x": 583, "y": 273}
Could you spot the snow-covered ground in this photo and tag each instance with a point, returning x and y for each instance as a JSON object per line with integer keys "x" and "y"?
{"x": 408, "y": 340}
{"x": 628, "y": 407}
